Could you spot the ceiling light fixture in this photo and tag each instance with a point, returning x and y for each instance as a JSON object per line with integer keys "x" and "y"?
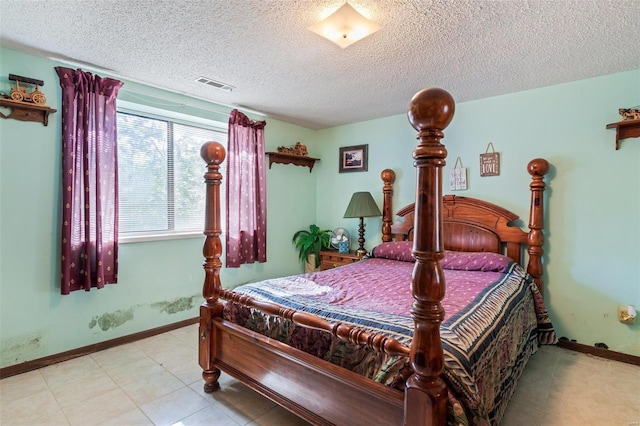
{"x": 345, "y": 26}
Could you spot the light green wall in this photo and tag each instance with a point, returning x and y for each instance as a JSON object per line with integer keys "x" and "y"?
{"x": 159, "y": 282}
{"x": 592, "y": 250}
{"x": 592, "y": 247}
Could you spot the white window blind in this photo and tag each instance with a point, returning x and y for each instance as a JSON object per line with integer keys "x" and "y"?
{"x": 160, "y": 175}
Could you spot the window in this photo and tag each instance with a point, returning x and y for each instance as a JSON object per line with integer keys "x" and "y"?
{"x": 160, "y": 174}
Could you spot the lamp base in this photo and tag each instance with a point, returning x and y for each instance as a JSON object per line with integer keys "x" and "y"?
{"x": 361, "y": 251}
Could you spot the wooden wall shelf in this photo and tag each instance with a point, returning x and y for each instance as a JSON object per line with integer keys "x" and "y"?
{"x": 298, "y": 160}
{"x": 625, "y": 129}
{"x": 26, "y": 112}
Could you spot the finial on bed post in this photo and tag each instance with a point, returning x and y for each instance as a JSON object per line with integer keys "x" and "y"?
{"x": 430, "y": 111}
{"x": 537, "y": 169}
{"x": 213, "y": 153}
{"x": 388, "y": 177}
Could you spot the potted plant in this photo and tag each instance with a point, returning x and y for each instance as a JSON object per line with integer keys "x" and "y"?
{"x": 311, "y": 242}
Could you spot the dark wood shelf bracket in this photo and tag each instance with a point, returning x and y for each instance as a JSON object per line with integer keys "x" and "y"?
{"x": 298, "y": 160}
{"x": 625, "y": 129}
{"x": 26, "y": 112}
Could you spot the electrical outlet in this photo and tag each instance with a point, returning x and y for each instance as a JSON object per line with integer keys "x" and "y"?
{"x": 624, "y": 316}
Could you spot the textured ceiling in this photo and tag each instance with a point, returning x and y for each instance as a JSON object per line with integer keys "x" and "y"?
{"x": 472, "y": 48}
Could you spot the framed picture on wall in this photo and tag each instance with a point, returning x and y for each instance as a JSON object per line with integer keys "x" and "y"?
{"x": 353, "y": 159}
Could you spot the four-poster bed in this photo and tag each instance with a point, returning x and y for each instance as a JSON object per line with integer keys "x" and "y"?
{"x": 414, "y": 366}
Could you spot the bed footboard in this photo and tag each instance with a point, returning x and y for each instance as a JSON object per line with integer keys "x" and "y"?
{"x": 314, "y": 389}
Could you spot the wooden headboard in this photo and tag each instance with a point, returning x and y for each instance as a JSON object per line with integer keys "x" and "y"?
{"x": 469, "y": 224}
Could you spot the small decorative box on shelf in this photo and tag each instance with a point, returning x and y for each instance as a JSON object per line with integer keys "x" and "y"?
{"x": 298, "y": 160}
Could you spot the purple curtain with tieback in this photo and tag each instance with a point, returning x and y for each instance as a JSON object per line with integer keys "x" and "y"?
{"x": 89, "y": 180}
{"x": 246, "y": 192}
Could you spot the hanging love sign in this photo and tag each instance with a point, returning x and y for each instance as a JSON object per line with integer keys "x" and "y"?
{"x": 490, "y": 162}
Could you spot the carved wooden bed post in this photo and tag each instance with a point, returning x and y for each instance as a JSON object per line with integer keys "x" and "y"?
{"x": 213, "y": 153}
{"x": 537, "y": 169}
{"x": 430, "y": 111}
{"x": 388, "y": 177}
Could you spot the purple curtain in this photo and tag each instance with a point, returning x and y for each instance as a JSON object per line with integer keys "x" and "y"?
{"x": 89, "y": 180}
{"x": 246, "y": 192}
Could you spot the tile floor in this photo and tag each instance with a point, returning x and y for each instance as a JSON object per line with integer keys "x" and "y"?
{"x": 149, "y": 383}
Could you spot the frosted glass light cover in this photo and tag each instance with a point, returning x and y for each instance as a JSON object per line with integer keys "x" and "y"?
{"x": 345, "y": 26}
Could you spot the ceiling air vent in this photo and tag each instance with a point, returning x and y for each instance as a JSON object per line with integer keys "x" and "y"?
{"x": 216, "y": 84}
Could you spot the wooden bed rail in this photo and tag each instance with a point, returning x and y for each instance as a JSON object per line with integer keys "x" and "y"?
{"x": 344, "y": 332}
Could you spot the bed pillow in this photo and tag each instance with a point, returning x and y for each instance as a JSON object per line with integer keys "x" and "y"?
{"x": 456, "y": 260}
{"x": 395, "y": 250}
{"x": 475, "y": 261}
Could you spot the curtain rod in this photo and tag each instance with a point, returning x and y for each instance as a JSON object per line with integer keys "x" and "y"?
{"x": 112, "y": 73}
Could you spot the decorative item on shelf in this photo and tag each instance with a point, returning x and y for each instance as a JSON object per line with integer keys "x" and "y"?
{"x": 632, "y": 113}
{"x": 490, "y": 162}
{"x": 20, "y": 93}
{"x": 297, "y": 149}
{"x": 26, "y": 105}
{"x": 340, "y": 240}
{"x": 458, "y": 177}
{"x": 627, "y": 314}
{"x": 362, "y": 205}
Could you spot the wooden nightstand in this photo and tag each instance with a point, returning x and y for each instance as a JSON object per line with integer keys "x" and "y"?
{"x": 332, "y": 259}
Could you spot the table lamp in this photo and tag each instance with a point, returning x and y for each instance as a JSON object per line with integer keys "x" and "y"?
{"x": 362, "y": 205}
